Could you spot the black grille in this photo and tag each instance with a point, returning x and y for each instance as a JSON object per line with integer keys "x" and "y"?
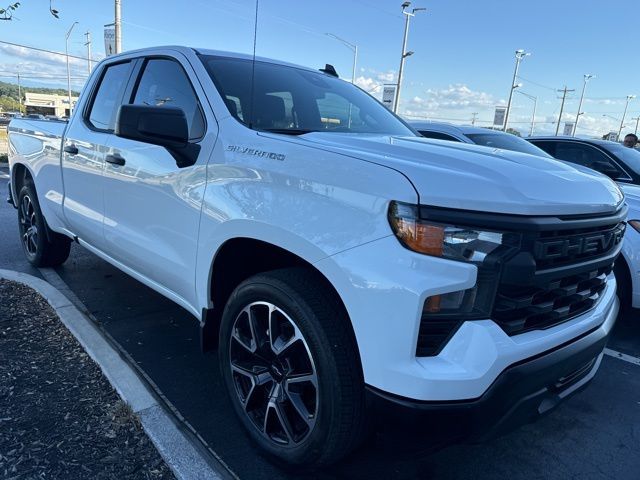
{"x": 556, "y": 275}
{"x": 565, "y": 247}
{"x": 549, "y": 270}
{"x": 518, "y": 309}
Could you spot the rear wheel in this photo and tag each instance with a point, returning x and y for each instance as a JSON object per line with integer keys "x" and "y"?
{"x": 291, "y": 367}
{"x": 42, "y": 247}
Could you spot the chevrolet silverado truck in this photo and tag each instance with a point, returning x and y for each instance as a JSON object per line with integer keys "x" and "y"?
{"x": 350, "y": 274}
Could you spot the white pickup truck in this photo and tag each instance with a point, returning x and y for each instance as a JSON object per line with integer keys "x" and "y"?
{"x": 350, "y": 273}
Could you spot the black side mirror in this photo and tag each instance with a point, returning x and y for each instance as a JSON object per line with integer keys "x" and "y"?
{"x": 158, "y": 125}
{"x": 606, "y": 169}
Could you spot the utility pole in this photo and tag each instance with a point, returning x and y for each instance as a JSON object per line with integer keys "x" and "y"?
{"x": 118, "y": 27}
{"x": 626, "y": 106}
{"x": 564, "y": 91}
{"x": 405, "y": 54}
{"x": 473, "y": 118}
{"x": 587, "y": 77}
{"x": 637, "y": 119}
{"x": 88, "y": 45}
{"x": 520, "y": 54}
{"x": 66, "y": 51}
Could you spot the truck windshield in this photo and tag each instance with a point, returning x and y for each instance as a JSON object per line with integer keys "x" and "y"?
{"x": 296, "y": 101}
{"x": 507, "y": 142}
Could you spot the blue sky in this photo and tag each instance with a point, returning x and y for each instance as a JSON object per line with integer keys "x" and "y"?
{"x": 462, "y": 64}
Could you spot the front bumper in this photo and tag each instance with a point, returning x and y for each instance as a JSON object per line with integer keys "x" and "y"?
{"x": 519, "y": 395}
{"x": 385, "y": 304}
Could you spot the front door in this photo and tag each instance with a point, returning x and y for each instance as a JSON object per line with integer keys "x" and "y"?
{"x": 152, "y": 207}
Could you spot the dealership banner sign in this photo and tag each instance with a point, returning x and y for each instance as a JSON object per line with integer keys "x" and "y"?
{"x": 109, "y": 41}
{"x": 388, "y": 95}
{"x": 498, "y": 117}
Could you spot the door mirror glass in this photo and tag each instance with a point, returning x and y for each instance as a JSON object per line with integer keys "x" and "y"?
{"x": 158, "y": 125}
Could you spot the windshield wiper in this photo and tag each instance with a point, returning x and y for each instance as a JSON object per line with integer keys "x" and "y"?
{"x": 287, "y": 131}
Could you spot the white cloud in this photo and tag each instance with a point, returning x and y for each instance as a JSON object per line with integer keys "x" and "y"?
{"x": 386, "y": 77}
{"x": 460, "y": 96}
{"x": 41, "y": 67}
{"x": 369, "y": 84}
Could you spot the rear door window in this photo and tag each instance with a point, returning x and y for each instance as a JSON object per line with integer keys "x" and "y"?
{"x": 107, "y": 99}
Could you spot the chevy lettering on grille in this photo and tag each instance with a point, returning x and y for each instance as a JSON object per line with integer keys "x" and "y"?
{"x": 589, "y": 244}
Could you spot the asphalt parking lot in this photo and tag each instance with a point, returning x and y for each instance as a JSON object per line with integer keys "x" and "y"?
{"x": 594, "y": 435}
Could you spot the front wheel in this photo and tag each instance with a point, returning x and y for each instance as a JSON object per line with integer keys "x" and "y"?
{"x": 291, "y": 367}
{"x": 42, "y": 247}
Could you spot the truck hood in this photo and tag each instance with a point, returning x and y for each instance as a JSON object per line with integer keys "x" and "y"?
{"x": 471, "y": 177}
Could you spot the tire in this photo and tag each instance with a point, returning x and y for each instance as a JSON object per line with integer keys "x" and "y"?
{"x": 310, "y": 322}
{"x": 41, "y": 246}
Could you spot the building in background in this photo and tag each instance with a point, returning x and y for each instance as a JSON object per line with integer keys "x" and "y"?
{"x": 48, "y": 104}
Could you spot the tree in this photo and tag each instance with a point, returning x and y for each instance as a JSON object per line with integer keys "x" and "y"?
{"x": 7, "y": 12}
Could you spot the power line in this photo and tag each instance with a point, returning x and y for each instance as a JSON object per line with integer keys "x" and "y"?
{"x": 536, "y": 83}
{"x": 48, "y": 51}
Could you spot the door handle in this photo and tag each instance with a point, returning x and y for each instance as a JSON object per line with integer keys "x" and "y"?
{"x": 115, "y": 159}
{"x": 71, "y": 149}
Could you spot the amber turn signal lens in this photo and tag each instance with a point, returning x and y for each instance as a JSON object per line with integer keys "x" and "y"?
{"x": 422, "y": 237}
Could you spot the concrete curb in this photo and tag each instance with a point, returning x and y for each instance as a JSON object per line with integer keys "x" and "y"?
{"x": 185, "y": 459}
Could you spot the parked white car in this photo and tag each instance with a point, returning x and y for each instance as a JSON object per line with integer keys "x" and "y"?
{"x": 628, "y": 271}
{"x": 344, "y": 267}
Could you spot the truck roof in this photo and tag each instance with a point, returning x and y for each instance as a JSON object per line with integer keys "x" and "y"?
{"x": 208, "y": 51}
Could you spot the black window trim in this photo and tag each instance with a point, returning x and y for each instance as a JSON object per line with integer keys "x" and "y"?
{"x": 132, "y": 88}
{"x": 86, "y": 111}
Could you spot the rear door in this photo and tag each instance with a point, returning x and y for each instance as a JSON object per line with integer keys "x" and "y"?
{"x": 84, "y": 151}
{"x": 152, "y": 207}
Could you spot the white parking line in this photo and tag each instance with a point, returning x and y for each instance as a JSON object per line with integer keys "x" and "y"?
{"x": 622, "y": 356}
{"x": 4, "y": 175}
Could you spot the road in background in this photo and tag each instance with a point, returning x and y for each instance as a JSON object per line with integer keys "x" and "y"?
{"x": 594, "y": 435}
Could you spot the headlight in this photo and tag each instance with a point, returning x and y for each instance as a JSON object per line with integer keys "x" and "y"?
{"x": 439, "y": 239}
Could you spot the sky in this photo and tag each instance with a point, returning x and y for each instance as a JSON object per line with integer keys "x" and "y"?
{"x": 462, "y": 64}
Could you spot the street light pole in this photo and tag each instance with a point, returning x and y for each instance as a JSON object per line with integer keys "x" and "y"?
{"x": 354, "y": 48}
{"x": 405, "y": 54}
{"x": 626, "y": 106}
{"x": 535, "y": 107}
{"x": 587, "y": 77}
{"x": 66, "y": 51}
{"x": 520, "y": 54}
{"x": 637, "y": 119}
{"x": 118, "y": 27}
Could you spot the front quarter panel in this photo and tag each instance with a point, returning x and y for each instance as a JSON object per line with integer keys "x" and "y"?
{"x": 303, "y": 199}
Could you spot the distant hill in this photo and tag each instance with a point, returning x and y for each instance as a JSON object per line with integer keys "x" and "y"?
{"x": 11, "y": 90}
